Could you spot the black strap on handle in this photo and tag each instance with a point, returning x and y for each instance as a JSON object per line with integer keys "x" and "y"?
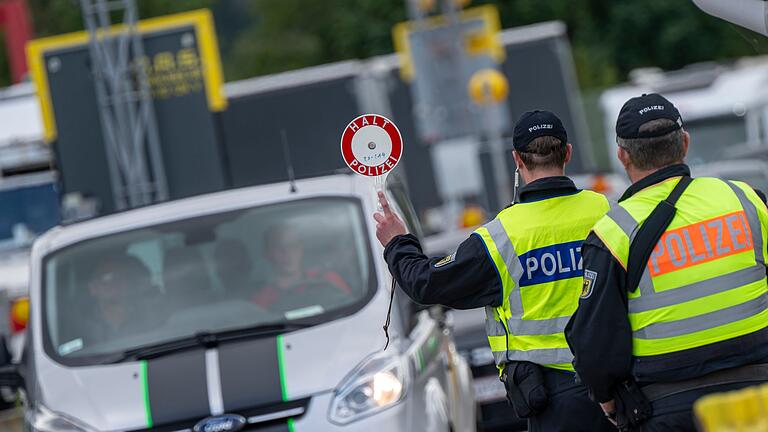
{"x": 650, "y": 232}
{"x": 389, "y": 312}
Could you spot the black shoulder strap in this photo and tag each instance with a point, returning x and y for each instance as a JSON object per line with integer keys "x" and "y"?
{"x": 650, "y": 232}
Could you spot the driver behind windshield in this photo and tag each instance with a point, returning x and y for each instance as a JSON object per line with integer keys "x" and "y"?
{"x": 117, "y": 285}
{"x": 284, "y": 250}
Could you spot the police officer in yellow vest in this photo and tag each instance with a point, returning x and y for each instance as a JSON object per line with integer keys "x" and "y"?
{"x": 525, "y": 268}
{"x": 697, "y": 320}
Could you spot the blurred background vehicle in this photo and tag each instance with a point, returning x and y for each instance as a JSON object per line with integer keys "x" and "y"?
{"x": 29, "y": 205}
{"x": 724, "y": 108}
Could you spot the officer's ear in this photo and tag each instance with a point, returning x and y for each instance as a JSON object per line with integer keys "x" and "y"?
{"x": 686, "y": 141}
{"x": 568, "y": 153}
{"x": 623, "y": 156}
{"x": 518, "y": 160}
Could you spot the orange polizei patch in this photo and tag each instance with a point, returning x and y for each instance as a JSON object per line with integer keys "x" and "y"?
{"x": 700, "y": 243}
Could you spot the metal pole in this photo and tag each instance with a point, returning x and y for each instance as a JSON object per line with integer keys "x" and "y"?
{"x": 126, "y": 108}
{"x": 500, "y": 169}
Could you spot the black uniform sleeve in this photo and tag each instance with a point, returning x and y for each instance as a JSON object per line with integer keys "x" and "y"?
{"x": 464, "y": 280}
{"x": 599, "y": 333}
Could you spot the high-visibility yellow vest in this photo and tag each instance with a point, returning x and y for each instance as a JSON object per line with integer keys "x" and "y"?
{"x": 705, "y": 281}
{"x": 536, "y": 249}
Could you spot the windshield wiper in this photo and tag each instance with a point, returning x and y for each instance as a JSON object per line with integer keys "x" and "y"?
{"x": 204, "y": 339}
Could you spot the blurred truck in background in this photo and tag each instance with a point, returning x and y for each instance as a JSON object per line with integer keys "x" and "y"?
{"x": 29, "y": 207}
{"x": 312, "y": 105}
{"x": 724, "y": 108}
{"x": 29, "y": 201}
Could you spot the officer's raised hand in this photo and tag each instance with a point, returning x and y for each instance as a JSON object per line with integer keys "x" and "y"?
{"x": 388, "y": 224}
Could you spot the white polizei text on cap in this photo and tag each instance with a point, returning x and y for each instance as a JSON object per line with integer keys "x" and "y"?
{"x": 651, "y": 108}
{"x": 541, "y": 126}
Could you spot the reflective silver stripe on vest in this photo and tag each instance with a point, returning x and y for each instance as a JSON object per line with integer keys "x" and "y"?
{"x": 539, "y": 356}
{"x": 537, "y": 327}
{"x": 623, "y": 219}
{"x": 518, "y": 326}
{"x": 705, "y": 321}
{"x": 493, "y": 327}
{"x": 754, "y": 222}
{"x": 508, "y": 254}
{"x": 697, "y": 290}
{"x": 629, "y": 225}
{"x": 646, "y": 283}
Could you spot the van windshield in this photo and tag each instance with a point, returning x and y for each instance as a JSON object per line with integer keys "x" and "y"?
{"x": 306, "y": 261}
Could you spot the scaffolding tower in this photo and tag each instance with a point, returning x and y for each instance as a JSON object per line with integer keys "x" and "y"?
{"x": 128, "y": 122}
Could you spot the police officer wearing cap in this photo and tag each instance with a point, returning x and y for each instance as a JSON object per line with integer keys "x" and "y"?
{"x": 524, "y": 267}
{"x": 696, "y": 320}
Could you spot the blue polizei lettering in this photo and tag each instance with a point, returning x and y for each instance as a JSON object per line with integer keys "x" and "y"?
{"x": 551, "y": 263}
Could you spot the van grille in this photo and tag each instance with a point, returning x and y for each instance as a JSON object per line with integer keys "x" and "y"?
{"x": 272, "y": 418}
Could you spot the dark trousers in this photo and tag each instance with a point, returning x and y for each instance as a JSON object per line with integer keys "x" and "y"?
{"x": 569, "y": 409}
{"x": 675, "y": 413}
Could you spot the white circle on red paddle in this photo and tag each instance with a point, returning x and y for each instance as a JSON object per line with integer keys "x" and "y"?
{"x": 371, "y": 145}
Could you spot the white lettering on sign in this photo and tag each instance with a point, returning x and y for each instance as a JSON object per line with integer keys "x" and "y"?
{"x": 539, "y": 127}
{"x": 371, "y": 145}
{"x": 559, "y": 259}
{"x": 651, "y": 108}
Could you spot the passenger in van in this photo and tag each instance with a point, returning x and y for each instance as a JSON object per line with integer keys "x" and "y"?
{"x": 285, "y": 252}
{"x": 234, "y": 268}
{"x": 117, "y": 287}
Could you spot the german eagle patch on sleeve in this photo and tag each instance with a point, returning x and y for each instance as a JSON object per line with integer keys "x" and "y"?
{"x": 445, "y": 261}
{"x": 589, "y": 283}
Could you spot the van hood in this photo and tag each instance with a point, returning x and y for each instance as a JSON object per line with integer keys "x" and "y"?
{"x": 265, "y": 375}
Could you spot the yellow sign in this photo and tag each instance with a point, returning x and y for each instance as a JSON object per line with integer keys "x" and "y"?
{"x": 487, "y": 87}
{"x": 740, "y": 410}
{"x": 169, "y": 73}
{"x": 483, "y": 42}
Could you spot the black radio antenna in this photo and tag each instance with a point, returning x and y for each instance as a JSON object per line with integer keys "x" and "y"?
{"x": 288, "y": 163}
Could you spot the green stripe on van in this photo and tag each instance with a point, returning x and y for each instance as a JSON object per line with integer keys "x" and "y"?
{"x": 145, "y": 391}
{"x": 281, "y": 369}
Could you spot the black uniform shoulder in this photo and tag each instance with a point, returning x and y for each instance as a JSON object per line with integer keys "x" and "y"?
{"x": 594, "y": 240}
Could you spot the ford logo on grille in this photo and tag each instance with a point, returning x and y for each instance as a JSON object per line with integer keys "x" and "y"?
{"x": 222, "y": 423}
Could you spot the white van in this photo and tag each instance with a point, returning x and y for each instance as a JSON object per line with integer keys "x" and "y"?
{"x": 257, "y": 309}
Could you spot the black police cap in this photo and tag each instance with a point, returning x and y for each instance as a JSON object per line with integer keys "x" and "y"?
{"x": 642, "y": 109}
{"x": 535, "y": 124}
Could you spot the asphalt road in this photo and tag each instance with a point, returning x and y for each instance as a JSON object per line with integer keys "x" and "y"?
{"x": 10, "y": 421}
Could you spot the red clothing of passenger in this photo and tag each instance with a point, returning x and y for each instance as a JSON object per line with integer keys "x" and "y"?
{"x": 269, "y": 293}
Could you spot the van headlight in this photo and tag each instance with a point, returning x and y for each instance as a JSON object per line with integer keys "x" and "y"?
{"x": 378, "y": 383}
{"x": 41, "y": 419}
